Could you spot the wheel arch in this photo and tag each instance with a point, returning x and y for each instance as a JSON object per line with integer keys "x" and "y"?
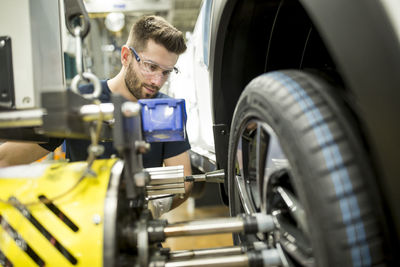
{"x": 251, "y": 37}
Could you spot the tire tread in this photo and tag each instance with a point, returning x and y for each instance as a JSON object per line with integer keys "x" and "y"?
{"x": 289, "y": 113}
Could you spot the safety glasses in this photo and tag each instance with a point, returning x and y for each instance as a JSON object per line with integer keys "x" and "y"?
{"x": 151, "y": 68}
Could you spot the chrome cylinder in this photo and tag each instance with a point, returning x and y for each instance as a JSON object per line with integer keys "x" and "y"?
{"x": 217, "y": 176}
{"x": 265, "y": 257}
{"x": 203, "y": 227}
{"x": 223, "y": 261}
{"x": 209, "y": 252}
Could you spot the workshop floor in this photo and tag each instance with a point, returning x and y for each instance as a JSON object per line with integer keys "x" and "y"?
{"x": 186, "y": 212}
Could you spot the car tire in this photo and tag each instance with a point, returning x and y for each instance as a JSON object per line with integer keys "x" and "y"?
{"x": 295, "y": 153}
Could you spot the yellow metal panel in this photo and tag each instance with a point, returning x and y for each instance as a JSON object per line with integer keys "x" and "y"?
{"x": 13, "y": 252}
{"x": 83, "y": 204}
{"x": 35, "y": 240}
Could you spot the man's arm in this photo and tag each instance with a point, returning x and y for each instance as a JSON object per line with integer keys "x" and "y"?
{"x": 181, "y": 159}
{"x": 16, "y": 153}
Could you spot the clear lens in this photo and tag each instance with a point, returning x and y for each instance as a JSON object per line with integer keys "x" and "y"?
{"x": 153, "y": 68}
{"x": 149, "y": 66}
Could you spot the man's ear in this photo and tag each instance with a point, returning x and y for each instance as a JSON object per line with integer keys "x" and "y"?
{"x": 125, "y": 55}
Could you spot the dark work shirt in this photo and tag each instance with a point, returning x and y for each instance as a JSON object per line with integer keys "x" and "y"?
{"x": 76, "y": 149}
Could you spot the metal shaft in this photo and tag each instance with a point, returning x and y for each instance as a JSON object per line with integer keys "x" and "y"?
{"x": 211, "y": 226}
{"x": 209, "y": 252}
{"x": 228, "y": 261}
{"x": 265, "y": 257}
{"x": 209, "y": 177}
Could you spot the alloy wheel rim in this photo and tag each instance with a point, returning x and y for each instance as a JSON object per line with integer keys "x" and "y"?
{"x": 262, "y": 181}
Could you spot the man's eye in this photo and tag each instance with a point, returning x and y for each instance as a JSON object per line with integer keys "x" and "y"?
{"x": 166, "y": 72}
{"x": 153, "y": 67}
{"x": 150, "y": 66}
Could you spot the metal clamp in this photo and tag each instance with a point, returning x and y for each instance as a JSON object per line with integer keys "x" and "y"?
{"x": 93, "y": 79}
{"x": 165, "y": 181}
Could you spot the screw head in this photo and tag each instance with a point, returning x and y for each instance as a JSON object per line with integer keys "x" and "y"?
{"x": 96, "y": 219}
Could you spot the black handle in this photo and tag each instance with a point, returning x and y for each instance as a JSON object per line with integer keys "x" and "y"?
{"x": 73, "y": 10}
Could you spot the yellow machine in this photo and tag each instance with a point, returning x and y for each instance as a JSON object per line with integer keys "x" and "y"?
{"x": 54, "y": 214}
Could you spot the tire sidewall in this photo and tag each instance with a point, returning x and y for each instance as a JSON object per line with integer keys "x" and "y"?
{"x": 255, "y": 104}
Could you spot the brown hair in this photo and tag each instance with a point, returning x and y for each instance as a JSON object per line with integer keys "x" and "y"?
{"x": 160, "y": 31}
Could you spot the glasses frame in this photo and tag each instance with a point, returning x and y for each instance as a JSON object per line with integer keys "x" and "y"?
{"x": 139, "y": 60}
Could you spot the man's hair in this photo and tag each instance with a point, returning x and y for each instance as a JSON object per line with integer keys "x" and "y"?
{"x": 160, "y": 31}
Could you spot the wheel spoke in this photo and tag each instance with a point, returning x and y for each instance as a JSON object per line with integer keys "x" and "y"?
{"x": 240, "y": 177}
{"x": 296, "y": 255}
{"x": 295, "y": 208}
{"x": 293, "y": 241}
{"x": 244, "y": 197}
{"x": 261, "y": 153}
{"x": 239, "y": 158}
{"x": 274, "y": 161}
{"x": 246, "y": 162}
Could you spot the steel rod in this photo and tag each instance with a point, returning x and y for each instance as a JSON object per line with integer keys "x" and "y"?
{"x": 209, "y": 252}
{"x": 223, "y": 261}
{"x": 209, "y": 177}
{"x": 202, "y": 227}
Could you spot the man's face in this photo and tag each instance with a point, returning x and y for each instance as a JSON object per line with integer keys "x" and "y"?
{"x": 140, "y": 82}
{"x": 134, "y": 83}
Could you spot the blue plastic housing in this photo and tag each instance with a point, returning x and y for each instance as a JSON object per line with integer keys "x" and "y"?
{"x": 163, "y": 119}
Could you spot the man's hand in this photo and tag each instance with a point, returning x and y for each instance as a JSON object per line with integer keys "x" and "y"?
{"x": 16, "y": 153}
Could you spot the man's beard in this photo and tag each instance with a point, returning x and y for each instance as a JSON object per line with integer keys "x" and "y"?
{"x": 135, "y": 86}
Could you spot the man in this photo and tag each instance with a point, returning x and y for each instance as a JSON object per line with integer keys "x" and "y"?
{"x": 148, "y": 58}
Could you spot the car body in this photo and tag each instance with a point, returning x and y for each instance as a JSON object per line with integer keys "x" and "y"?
{"x": 355, "y": 44}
